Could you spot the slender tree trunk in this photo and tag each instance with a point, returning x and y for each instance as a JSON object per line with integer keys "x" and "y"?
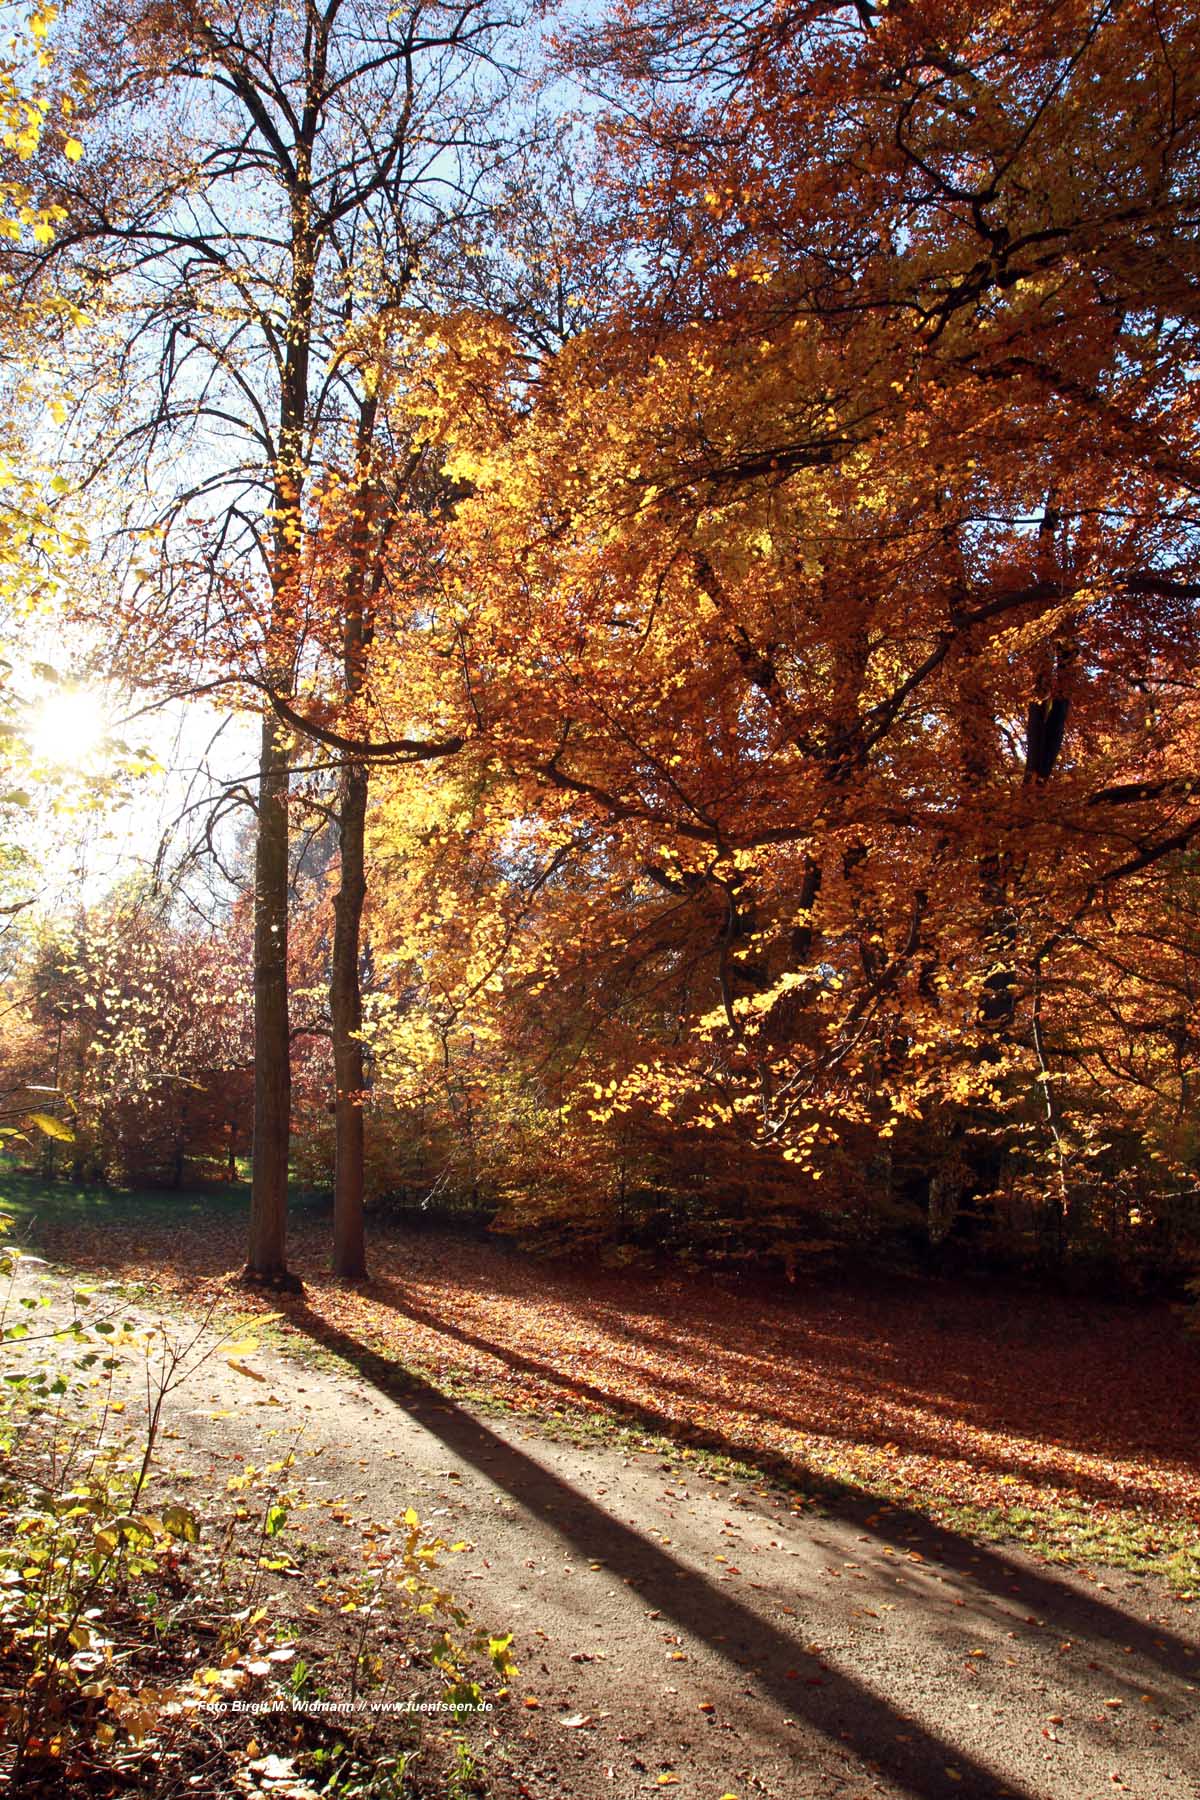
{"x": 345, "y": 998}
{"x": 272, "y": 1044}
{"x": 272, "y": 1033}
{"x": 365, "y": 549}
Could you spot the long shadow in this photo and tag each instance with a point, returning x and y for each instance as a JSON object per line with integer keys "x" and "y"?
{"x": 691, "y": 1321}
{"x": 833, "y": 1703}
{"x": 637, "y": 1413}
{"x": 845, "y": 1355}
{"x": 688, "y": 1341}
{"x": 1072, "y": 1613}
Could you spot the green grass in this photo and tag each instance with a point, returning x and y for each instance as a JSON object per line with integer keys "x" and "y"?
{"x": 466, "y": 1777}
{"x": 1072, "y": 1534}
{"x": 29, "y": 1197}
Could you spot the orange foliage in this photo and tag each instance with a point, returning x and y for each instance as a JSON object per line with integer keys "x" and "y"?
{"x": 831, "y": 613}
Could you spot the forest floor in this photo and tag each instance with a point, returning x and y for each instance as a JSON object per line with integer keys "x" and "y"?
{"x": 748, "y": 1542}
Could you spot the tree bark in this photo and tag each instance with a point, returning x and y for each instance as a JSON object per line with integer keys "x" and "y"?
{"x": 345, "y": 1003}
{"x": 364, "y": 571}
{"x": 272, "y": 1047}
{"x": 272, "y": 1034}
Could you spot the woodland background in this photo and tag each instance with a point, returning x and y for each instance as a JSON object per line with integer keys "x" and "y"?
{"x": 690, "y": 514}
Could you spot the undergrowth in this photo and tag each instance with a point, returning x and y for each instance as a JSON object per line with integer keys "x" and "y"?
{"x": 147, "y": 1641}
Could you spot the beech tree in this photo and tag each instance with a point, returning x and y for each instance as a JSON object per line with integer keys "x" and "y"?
{"x": 841, "y": 591}
{"x": 260, "y": 213}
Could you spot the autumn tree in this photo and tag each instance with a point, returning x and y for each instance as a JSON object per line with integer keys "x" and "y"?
{"x": 131, "y": 1030}
{"x": 36, "y": 131}
{"x": 388, "y": 650}
{"x": 839, "y": 592}
{"x": 261, "y": 210}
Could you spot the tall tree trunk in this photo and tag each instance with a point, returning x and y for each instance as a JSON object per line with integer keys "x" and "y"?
{"x": 364, "y": 572}
{"x": 272, "y": 1042}
{"x": 345, "y": 1005}
{"x": 272, "y": 1033}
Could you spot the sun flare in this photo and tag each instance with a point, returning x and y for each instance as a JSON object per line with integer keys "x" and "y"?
{"x": 68, "y": 727}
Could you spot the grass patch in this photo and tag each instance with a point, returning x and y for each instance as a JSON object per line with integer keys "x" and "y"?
{"x": 30, "y": 1198}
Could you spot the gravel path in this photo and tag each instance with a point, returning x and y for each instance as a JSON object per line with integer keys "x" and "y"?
{"x": 715, "y": 1633}
{"x": 681, "y": 1633}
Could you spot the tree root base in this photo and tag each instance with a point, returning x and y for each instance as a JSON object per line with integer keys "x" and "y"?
{"x": 278, "y": 1281}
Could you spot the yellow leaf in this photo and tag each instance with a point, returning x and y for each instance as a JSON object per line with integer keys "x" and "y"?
{"x": 180, "y": 1523}
{"x": 72, "y": 149}
{"x": 244, "y": 1369}
{"x": 52, "y": 1127}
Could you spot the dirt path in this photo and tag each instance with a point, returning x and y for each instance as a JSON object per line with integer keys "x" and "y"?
{"x": 713, "y": 1633}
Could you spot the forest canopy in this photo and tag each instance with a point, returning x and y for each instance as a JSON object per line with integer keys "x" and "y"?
{"x": 686, "y": 520}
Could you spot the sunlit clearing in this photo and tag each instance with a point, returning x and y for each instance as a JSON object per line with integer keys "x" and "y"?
{"x": 68, "y": 728}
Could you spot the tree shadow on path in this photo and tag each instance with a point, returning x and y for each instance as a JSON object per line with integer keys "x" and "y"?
{"x": 855, "y": 1419}
{"x": 855, "y": 1720}
{"x": 1080, "y": 1615}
